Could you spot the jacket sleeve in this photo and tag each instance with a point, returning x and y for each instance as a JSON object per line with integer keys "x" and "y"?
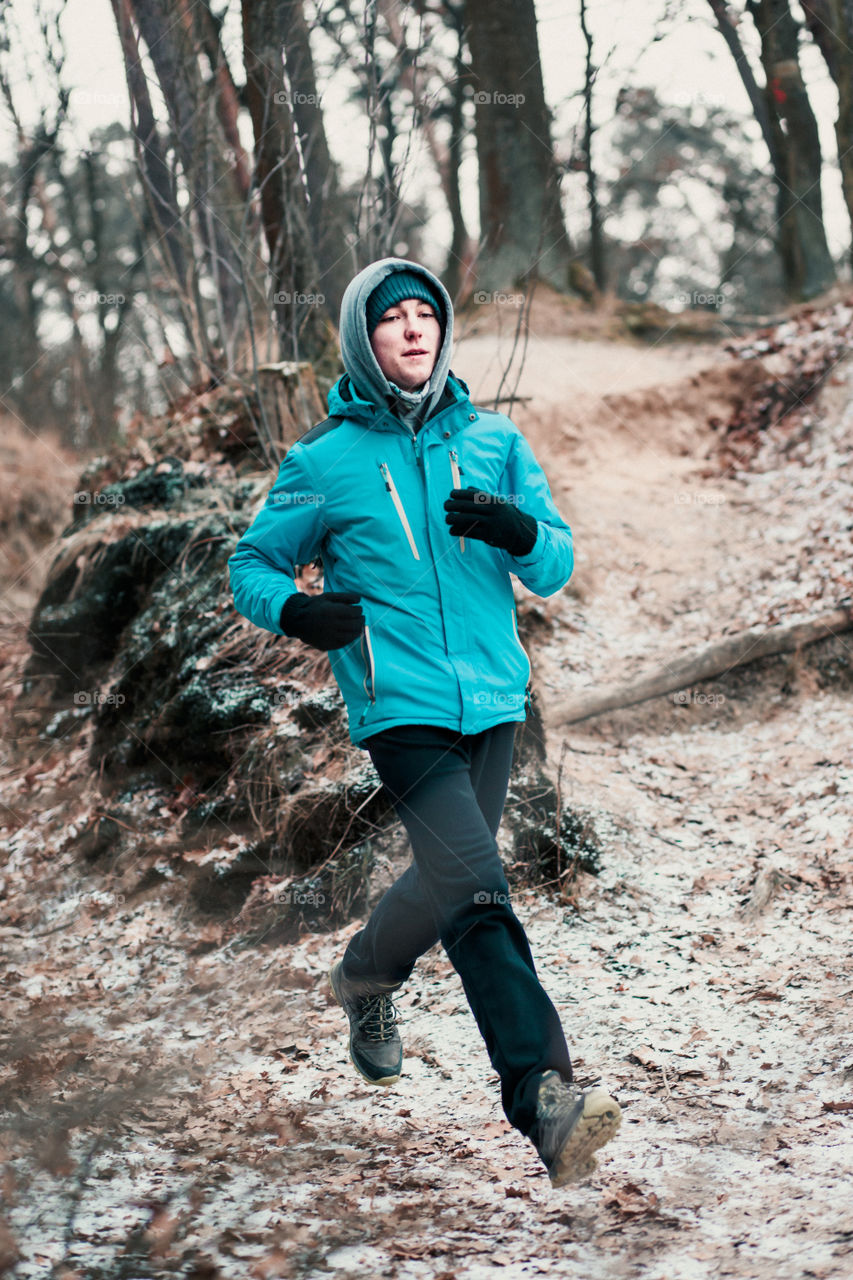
{"x": 548, "y": 565}
{"x": 287, "y": 531}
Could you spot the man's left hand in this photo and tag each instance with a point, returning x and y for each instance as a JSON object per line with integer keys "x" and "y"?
{"x": 472, "y": 513}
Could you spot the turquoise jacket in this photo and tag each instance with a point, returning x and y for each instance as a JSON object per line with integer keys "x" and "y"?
{"x": 365, "y": 493}
{"x": 440, "y": 642}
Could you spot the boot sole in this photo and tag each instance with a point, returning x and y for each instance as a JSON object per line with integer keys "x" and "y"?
{"x": 598, "y": 1124}
{"x": 383, "y": 1081}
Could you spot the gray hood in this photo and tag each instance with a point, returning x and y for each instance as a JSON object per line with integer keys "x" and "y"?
{"x": 359, "y": 361}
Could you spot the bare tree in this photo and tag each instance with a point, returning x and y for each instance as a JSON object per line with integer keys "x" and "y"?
{"x": 299, "y": 307}
{"x": 521, "y": 222}
{"x": 420, "y": 72}
{"x": 831, "y": 24}
{"x": 70, "y": 256}
{"x": 158, "y": 179}
{"x": 810, "y": 268}
{"x": 784, "y": 114}
{"x": 460, "y": 258}
{"x": 327, "y": 214}
{"x": 175, "y": 37}
{"x": 596, "y": 240}
{"x": 227, "y": 97}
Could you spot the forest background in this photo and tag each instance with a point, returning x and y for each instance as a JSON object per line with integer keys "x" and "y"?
{"x": 171, "y": 172}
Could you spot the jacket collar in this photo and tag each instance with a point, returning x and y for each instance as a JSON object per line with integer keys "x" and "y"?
{"x": 344, "y": 401}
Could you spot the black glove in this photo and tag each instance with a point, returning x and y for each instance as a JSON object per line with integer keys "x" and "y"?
{"x": 325, "y": 622}
{"x": 492, "y": 518}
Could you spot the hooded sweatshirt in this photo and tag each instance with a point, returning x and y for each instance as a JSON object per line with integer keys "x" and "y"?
{"x": 361, "y": 364}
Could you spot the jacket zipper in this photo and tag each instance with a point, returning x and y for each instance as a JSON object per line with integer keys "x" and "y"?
{"x": 523, "y": 650}
{"x": 401, "y": 511}
{"x": 369, "y": 668}
{"x": 529, "y": 695}
{"x": 457, "y": 484}
{"x": 420, "y": 459}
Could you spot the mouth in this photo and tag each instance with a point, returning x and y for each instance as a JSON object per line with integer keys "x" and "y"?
{"x": 415, "y": 353}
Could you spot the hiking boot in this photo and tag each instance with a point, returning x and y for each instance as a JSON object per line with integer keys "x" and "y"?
{"x": 374, "y": 1041}
{"x": 570, "y": 1124}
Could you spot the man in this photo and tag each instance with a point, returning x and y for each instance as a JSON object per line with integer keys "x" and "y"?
{"x": 422, "y": 506}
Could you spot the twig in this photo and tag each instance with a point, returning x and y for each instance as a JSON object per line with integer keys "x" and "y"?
{"x": 665, "y": 1081}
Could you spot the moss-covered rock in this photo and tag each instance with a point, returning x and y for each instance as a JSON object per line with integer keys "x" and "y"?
{"x": 222, "y": 750}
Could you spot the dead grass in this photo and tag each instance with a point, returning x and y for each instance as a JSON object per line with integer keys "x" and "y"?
{"x": 36, "y": 501}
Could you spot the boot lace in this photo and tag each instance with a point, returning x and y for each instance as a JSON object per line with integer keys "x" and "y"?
{"x": 377, "y": 1017}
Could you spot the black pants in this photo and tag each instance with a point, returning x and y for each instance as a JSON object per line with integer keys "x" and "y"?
{"x": 449, "y": 791}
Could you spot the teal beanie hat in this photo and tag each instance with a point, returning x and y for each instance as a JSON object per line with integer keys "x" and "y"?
{"x": 393, "y": 289}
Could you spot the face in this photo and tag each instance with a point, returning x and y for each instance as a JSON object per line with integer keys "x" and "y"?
{"x": 406, "y": 342}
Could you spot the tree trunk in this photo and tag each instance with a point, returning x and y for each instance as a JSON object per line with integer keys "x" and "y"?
{"x": 301, "y": 320}
{"x": 756, "y": 96}
{"x": 596, "y": 244}
{"x": 227, "y": 96}
{"x": 522, "y": 232}
{"x": 174, "y": 44}
{"x": 460, "y": 257}
{"x": 831, "y": 25}
{"x": 808, "y": 265}
{"x": 157, "y": 182}
{"x": 34, "y": 396}
{"x": 412, "y": 76}
{"x": 326, "y": 215}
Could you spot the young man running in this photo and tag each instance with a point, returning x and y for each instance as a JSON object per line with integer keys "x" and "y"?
{"x": 422, "y": 506}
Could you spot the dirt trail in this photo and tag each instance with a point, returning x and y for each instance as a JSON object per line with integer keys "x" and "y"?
{"x": 555, "y": 369}
{"x": 706, "y": 975}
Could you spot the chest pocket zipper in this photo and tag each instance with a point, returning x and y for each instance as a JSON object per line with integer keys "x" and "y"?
{"x": 457, "y": 484}
{"x": 401, "y": 510}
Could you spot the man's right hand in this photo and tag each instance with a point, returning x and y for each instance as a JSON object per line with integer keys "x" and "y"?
{"x": 328, "y": 621}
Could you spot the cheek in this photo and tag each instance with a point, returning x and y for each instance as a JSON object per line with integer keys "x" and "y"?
{"x": 378, "y": 347}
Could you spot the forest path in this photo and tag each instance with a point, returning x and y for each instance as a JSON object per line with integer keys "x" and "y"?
{"x": 704, "y": 975}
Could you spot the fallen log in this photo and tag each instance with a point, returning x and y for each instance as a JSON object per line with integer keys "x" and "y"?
{"x": 715, "y": 660}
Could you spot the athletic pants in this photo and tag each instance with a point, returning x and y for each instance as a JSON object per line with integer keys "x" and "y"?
{"x": 449, "y": 791}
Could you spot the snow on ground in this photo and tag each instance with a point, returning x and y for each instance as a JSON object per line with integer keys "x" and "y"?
{"x": 214, "y": 1124}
